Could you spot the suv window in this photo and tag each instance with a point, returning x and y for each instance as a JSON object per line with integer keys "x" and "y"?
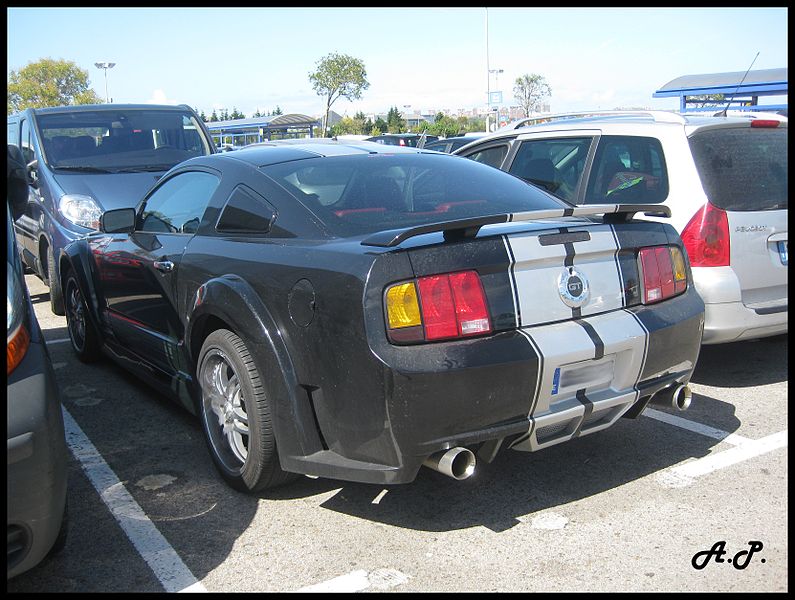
{"x": 178, "y": 205}
{"x": 492, "y": 156}
{"x": 744, "y": 168}
{"x": 627, "y": 169}
{"x": 554, "y": 165}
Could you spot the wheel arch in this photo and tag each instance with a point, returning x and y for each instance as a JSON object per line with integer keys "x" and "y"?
{"x": 229, "y": 302}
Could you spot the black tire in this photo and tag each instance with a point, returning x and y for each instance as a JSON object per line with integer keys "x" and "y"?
{"x": 236, "y": 417}
{"x": 56, "y": 293}
{"x": 83, "y": 335}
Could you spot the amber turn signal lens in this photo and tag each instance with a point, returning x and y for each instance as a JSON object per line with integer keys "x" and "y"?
{"x": 18, "y": 344}
{"x": 402, "y": 306}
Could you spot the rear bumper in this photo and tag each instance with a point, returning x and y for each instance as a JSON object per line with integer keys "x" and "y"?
{"x": 36, "y": 462}
{"x": 733, "y": 321}
{"x": 532, "y": 388}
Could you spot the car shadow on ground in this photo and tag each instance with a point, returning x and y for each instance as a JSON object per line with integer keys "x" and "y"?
{"x": 743, "y": 364}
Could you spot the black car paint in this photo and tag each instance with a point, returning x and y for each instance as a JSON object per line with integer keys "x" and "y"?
{"x": 347, "y": 403}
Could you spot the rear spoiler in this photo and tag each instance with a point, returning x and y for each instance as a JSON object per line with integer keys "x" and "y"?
{"x": 466, "y": 228}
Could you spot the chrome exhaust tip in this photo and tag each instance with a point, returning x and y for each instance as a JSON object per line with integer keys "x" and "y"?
{"x": 677, "y": 396}
{"x": 458, "y": 463}
{"x": 681, "y": 397}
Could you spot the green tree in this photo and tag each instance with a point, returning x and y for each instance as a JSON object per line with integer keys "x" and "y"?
{"x": 202, "y": 116}
{"x": 258, "y": 113}
{"x": 338, "y": 76}
{"x": 49, "y": 82}
{"x": 395, "y": 121}
{"x": 714, "y": 100}
{"x": 213, "y": 117}
{"x": 277, "y": 111}
{"x": 379, "y": 127}
{"x": 529, "y": 90}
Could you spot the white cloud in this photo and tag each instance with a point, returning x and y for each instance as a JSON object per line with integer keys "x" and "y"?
{"x": 159, "y": 97}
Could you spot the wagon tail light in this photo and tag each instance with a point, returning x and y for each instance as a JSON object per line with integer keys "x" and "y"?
{"x": 663, "y": 273}
{"x": 706, "y": 237}
{"x": 437, "y": 307}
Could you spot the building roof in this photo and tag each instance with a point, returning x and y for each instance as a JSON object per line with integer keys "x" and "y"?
{"x": 269, "y": 122}
{"x": 763, "y": 80}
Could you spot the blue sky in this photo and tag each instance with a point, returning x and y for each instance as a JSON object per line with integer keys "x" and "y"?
{"x": 428, "y": 59}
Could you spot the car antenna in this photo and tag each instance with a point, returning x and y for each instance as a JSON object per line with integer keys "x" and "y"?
{"x": 723, "y": 112}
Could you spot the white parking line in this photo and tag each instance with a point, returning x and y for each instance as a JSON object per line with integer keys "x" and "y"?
{"x": 58, "y": 341}
{"x": 687, "y": 473}
{"x": 729, "y": 438}
{"x": 359, "y": 580}
{"x": 150, "y": 543}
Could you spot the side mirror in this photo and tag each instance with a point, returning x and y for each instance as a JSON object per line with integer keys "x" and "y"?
{"x": 120, "y": 220}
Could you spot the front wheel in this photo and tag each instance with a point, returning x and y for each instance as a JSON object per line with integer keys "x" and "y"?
{"x": 84, "y": 338}
{"x": 56, "y": 292}
{"x": 236, "y": 416}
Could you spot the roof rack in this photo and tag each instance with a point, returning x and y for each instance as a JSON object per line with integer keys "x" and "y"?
{"x": 661, "y": 116}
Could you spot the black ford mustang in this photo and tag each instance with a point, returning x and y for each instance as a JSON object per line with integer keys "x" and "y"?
{"x": 355, "y": 311}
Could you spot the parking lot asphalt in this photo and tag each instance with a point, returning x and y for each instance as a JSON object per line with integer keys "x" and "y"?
{"x": 671, "y": 501}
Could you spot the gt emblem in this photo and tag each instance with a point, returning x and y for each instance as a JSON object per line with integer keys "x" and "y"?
{"x": 573, "y": 287}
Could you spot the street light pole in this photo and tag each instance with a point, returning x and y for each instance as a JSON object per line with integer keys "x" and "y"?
{"x": 105, "y": 66}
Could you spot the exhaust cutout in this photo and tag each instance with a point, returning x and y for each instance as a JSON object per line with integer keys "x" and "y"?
{"x": 458, "y": 463}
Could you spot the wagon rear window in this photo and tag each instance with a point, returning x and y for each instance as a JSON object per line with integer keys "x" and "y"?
{"x": 359, "y": 194}
{"x": 743, "y": 168}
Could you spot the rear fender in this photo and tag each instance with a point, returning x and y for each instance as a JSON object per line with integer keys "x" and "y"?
{"x": 232, "y": 300}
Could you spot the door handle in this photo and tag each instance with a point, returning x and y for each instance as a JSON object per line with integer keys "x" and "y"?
{"x": 164, "y": 265}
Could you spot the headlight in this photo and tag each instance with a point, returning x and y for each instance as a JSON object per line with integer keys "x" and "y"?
{"x": 80, "y": 210}
{"x": 18, "y": 337}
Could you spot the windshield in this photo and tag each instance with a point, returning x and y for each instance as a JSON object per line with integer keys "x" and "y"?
{"x": 360, "y": 194}
{"x": 119, "y": 140}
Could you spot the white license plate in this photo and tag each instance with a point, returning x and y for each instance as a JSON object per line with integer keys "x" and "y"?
{"x": 782, "y": 251}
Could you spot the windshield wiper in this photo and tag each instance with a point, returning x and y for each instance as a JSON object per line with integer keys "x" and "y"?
{"x": 82, "y": 168}
{"x": 143, "y": 169}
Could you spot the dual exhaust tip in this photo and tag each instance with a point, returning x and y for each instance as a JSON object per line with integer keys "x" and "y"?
{"x": 677, "y": 396}
{"x": 458, "y": 463}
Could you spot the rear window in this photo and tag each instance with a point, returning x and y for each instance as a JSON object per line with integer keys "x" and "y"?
{"x": 361, "y": 194}
{"x": 743, "y": 169}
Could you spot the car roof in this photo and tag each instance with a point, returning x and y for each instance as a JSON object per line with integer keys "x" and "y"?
{"x": 95, "y": 107}
{"x": 269, "y": 153}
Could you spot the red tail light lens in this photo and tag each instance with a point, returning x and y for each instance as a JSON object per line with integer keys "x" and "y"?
{"x": 663, "y": 273}
{"x": 438, "y": 309}
{"x": 764, "y": 123}
{"x": 470, "y": 304}
{"x": 706, "y": 238}
{"x": 447, "y": 306}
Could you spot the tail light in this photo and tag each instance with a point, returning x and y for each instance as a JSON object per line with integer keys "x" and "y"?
{"x": 706, "y": 237}
{"x": 764, "y": 123}
{"x": 438, "y": 307}
{"x": 663, "y": 273}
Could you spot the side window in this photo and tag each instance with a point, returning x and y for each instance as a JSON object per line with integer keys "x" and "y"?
{"x": 492, "y": 156}
{"x": 27, "y": 142}
{"x": 555, "y": 165}
{"x": 178, "y": 205}
{"x": 246, "y": 211}
{"x": 628, "y": 169}
{"x": 13, "y": 133}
